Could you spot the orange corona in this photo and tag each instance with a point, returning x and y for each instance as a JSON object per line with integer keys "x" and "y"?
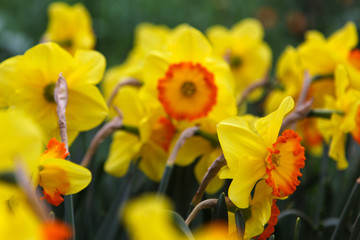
{"x": 271, "y": 223}
{"x": 187, "y": 91}
{"x": 162, "y": 133}
{"x": 354, "y": 58}
{"x": 284, "y": 163}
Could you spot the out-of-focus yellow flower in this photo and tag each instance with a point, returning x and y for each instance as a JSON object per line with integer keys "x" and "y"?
{"x": 19, "y": 222}
{"x": 150, "y": 217}
{"x": 320, "y": 55}
{"x": 21, "y": 140}
{"x": 347, "y": 101}
{"x": 244, "y": 49}
{"x": 32, "y": 77}
{"x": 254, "y": 151}
{"x": 58, "y": 176}
{"x": 70, "y": 27}
{"x": 187, "y": 81}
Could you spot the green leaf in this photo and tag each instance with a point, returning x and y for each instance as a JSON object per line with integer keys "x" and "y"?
{"x": 180, "y": 223}
{"x": 297, "y": 229}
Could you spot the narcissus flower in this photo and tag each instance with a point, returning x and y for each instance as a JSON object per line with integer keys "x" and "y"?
{"x": 70, "y": 27}
{"x": 347, "y": 102}
{"x": 58, "y": 176}
{"x": 254, "y": 151}
{"x": 21, "y": 140}
{"x": 31, "y": 79}
{"x": 244, "y": 49}
{"x": 19, "y": 221}
{"x": 261, "y": 211}
{"x": 150, "y": 217}
{"x": 187, "y": 81}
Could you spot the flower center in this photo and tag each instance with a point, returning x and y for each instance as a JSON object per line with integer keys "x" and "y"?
{"x": 283, "y": 178}
{"x": 235, "y": 61}
{"x": 187, "y": 91}
{"x": 354, "y": 58}
{"x": 49, "y": 92}
{"x": 162, "y": 133}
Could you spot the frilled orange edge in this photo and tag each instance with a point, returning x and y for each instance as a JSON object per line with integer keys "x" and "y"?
{"x": 55, "y": 230}
{"x": 53, "y": 198}
{"x": 284, "y": 163}
{"x": 187, "y": 91}
{"x": 270, "y": 227}
{"x": 55, "y": 149}
{"x": 356, "y": 132}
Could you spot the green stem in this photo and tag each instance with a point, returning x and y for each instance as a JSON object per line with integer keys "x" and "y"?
{"x": 323, "y": 113}
{"x": 69, "y": 210}
{"x": 353, "y": 195}
{"x": 212, "y": 138}
{"x": 131, "y": 129}
{"x": 322, "y": 77}
{"x": 355, "y": 232}
{"x": 297, "y": 229}
{"x": 165, "y": 179}
{"x": 69, "y": 213}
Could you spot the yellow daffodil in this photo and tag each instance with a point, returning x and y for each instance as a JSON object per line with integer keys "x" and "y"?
{"x": 243, "y": 47}
{"x": 19, "y": 221}
{"x": 150, "y": 217}
{"x": 21, "y": 140}
{"x": 320, "y": 55}
{"x": 187, "y": 81}
{"x": 58, "y": 176}
{"x": 261, "y": 211}
{"x": 347, "y": 102}
{"x": 254, "y": 151}
{"x": 32, "y": 79}
{"x": 70, "y": 27}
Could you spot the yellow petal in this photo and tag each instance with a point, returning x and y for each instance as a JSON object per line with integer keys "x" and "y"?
{"x": 90, "y": 68}
{"x": 337, "y": 150}
{"x": 188, "y": 44}
{"x": 86, "y": 108}
{"x": 249, "y": 27}
{"x": 192, "y": 148}
{"x": 268, "y": 127}
{"x": 123, "y": 149}
{"x": 243, "y": 183}
{"x": 344, "y": 39}
{"x": 153, "y": 160}
{"x": 237, "y": 140}
{"x": 63, "y": 175}
{"x": 341, "y": 80}
{"x": 260, "y": 210}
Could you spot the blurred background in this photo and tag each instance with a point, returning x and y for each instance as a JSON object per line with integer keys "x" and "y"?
{"x": 22, "y": 22}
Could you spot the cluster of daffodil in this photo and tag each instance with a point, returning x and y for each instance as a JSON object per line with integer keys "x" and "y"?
{"x": 173, "y": 80}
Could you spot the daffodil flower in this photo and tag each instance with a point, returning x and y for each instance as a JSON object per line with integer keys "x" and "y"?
{"x": 58, "y": 176}
{"x": 261, "y": 211}
{"x": 70, "y": 27}
{"x": 250, "y": 60}
{"x": 187, "y": 81}
{"x": 347, "y": 101}
{"x": 254, "y": 151}
{"x": 31, "y": 78}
